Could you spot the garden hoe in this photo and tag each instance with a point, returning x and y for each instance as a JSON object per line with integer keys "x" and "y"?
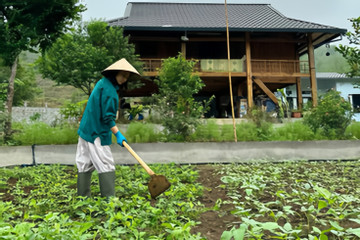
{"x": 158, "y": 183}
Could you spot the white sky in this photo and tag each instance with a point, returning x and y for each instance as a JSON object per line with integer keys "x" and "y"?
{"x": 328, "y": 12}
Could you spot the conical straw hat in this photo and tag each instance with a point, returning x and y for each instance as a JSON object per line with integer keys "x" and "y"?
{"x": 123, "y": 65}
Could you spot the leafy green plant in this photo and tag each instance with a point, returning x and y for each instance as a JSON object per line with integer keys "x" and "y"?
{"x": 283, "y": 104}
{"x": 72, "y": 111}
{"x": 133, "y": 111}
{"x": 35, "y": 117}
{"x": 290, "y": 201}
{"x": 332, "y": 115}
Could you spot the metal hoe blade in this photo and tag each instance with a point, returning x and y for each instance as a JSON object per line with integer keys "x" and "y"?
{"x": 157, "y": 185}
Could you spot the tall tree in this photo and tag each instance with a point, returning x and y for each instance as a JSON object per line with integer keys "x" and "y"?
{"x": 352, "y": 54}
{"x": 78, "y": 57}
{"x": 28, "y": 25}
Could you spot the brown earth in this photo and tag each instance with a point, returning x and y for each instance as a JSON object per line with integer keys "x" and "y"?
{"x": 213, "y": 223}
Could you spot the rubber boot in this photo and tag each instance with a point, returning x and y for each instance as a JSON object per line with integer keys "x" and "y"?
{"x": 107, "y": 184}
{"x": 83, "y": 184}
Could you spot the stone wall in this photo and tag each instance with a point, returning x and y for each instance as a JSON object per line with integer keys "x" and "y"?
{"x": 47, "y": 115}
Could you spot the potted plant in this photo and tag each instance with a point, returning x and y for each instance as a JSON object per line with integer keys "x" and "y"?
{"x": 134, "y": 111}
{"x": 296, "y": 113}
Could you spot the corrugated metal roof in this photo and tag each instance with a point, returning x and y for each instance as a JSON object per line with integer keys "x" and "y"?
{"x": 206, "y": 16}
{"x": 334, "y": 75}
{"x": 328, "y": 75}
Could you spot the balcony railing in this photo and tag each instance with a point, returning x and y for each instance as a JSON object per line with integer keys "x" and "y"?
{"x": 279, "y": 66}
{"x": 237, "y": 65}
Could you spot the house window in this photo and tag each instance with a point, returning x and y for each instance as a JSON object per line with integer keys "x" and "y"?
{"x": 356, "y": 102}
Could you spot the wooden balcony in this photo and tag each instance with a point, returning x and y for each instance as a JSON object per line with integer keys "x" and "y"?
{"x": 279, "y": 68}
{"x": 219, "y": 67}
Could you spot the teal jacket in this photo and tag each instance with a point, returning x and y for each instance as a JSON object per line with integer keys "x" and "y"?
{"x": 100, "y": 113}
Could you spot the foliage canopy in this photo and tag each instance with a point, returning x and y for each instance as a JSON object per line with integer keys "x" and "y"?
{"x": 352, "y": 54}
{"x": 78, "y": 57}
{"x": 26, "y": 26}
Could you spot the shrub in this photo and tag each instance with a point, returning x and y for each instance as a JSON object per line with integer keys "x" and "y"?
{"x": 72, "y": 111}
{"x": 353, "y": 130}
{"x": 332, "y": 115}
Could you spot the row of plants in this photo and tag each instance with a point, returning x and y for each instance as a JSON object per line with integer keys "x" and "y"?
{"x": 289, "y": 200}
{"x": 303, "y": 200}
{"x": 141, "y": 132}
{"x": 40, "y": 202}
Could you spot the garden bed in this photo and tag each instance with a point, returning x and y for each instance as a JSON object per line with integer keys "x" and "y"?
{"x": 293, "y": 200}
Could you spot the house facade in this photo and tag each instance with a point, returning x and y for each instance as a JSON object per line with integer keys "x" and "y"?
{"x": 264, "y": 48}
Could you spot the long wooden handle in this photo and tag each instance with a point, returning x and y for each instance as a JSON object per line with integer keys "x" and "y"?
{"x": 142, "y": 163}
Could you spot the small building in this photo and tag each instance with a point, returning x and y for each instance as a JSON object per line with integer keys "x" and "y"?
{"x": 265, "y": 47}
{"x": 326, "y": 81}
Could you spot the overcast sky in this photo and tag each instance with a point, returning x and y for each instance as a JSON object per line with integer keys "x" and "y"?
{"x": 328, "y": 12}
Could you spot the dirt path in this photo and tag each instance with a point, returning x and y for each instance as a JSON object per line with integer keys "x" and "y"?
{"x": 213, "y": 223}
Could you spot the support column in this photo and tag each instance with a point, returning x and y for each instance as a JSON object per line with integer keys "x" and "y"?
{"x": 312, "y": 69}
{"x": 183, "y": 49}
{"x": 248, "y": 71}
{"x": 299, "y": 94}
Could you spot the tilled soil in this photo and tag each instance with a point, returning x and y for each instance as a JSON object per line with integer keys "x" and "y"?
{"x": 213, "y": 223}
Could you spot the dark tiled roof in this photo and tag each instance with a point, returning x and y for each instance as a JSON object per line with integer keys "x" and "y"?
{"x": 205, "y": 16}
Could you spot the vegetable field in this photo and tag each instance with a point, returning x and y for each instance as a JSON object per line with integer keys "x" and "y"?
{"x": 293, "y": 200}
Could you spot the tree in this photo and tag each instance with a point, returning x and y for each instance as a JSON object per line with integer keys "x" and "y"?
{"x": 27, "y": 25}
{"x": 78, "y": 57}
{"x": 25, "y": 87}
{"x": 352, "y": 54}
{"x": 178, "y": 84}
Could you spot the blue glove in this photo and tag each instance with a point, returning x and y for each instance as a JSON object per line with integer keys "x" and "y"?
{"x": 120, "y": 138}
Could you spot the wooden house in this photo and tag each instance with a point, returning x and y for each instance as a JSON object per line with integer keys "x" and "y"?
{"x": 264, "y": 46}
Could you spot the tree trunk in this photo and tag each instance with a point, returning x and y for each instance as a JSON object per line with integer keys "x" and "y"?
{"x": 9, "y": 102}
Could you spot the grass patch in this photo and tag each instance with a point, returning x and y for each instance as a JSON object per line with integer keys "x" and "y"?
{"x": 42, "y": 134}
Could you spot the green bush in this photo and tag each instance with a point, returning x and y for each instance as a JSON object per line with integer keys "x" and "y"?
{"x": 73, "y": 111}
{"x": 332, "y": 115}
{"x": 142, "y": 132}
{"x": 353, "y": 130}
{"x": 42, "y": 134}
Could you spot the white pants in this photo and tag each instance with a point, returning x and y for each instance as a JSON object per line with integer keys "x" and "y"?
{"x": 91, "y": 156}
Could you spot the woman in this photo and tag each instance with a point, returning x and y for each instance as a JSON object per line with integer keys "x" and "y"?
{"x": 96, "y": 128}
